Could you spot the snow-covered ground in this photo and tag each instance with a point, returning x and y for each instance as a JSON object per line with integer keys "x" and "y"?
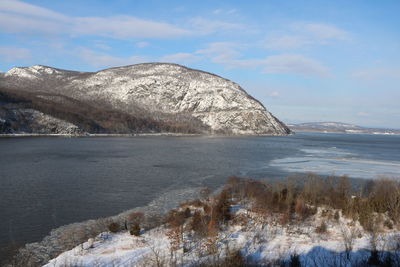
{"x": 260, "y": 240}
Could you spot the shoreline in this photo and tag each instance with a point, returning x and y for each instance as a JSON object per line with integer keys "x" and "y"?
{"x": 52, "y": 245}
{"x": 136, "y": 135}
{"x": 95, "y": 135}
{"x": 20, "y": 135}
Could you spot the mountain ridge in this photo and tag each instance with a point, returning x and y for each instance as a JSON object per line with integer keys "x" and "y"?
{"x": 162, "y": 92}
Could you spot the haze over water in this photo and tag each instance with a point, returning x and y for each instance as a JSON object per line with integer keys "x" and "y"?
{"x": 49, "y": 182}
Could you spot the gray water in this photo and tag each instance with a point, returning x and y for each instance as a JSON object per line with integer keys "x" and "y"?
{"x": 47, "y": 182}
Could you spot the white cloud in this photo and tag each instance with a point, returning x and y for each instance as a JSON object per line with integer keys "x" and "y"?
{"x": 180, "y": 58}
{"x": 296, "y": 64}
{"x": 377, "y": 73}
{"x": 286, "y": 42}
{"x": 125, "y": 27}
{"x": 21, "y": 8}
{"x": 20, "y": 23}
{"x": 105, "y": 60}
{"x": 205, "y": 26}
{"x": 20, "y": 17}
{"x": 224, "y": 11}
{"x": 325, "y": 31}
{"x": 274, "y": 94}
{"x": 305, "y": 34}
{"x": 217, "y": 11}
{"x": 221, "y": 52}
{"x": 11, "y": 54}
{"x": 362, "y": 114}
{"x": 102, "y": 46}
{"x": 228, "y": 54}
{"x": 142, "y": 44}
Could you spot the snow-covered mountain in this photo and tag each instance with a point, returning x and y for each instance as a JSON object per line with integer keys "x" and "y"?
{"x": 338, "y": 127}
{"x": 166, "y": 94}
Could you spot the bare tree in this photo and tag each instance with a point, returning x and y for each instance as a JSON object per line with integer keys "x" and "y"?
{"x": 157, "y": 259}
{"x": 348, "y": 234}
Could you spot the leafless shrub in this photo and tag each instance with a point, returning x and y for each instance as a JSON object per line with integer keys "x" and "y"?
{"x": 133, "y": 222}
{"x": 221, "y": 208}
{"x": 135, "y": 230}
{"x": 155, "y": 259}
{"x": 175, "y": 220}
{"x": 322, "y": 228}
{"x": 336, "y": 216}
{"x": 232, "y": 259}
{"x": 388, "y": 224}
{"x": 113, "y": 227}
{"x": 302, "y": 210}
{"x": 135, "y": 218}
{"x": 205, "y": 193}
{"x": 199, "y": 224}
{"x": 348, "y": 234}
{"x": 197, "y": 203}
{"x": 385, "y": 197}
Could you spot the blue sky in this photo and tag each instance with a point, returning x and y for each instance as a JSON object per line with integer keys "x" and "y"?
{"x": 305, "y": 60}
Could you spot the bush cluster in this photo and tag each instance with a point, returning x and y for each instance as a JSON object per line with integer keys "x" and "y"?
{"x": 298, "y": 198}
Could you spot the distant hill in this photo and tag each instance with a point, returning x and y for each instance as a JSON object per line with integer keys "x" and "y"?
{"x": 338, "y": 127}
{"x": 142, "y": 98}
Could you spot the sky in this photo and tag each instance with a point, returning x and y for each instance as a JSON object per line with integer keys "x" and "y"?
{"x": 306, "y": 61}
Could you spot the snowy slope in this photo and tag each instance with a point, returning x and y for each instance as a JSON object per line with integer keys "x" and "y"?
{"x": 259, "y": 240}
{"x": 14, "y": 120}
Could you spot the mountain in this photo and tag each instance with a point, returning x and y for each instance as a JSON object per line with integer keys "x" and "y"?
{"x": 142, "y": 98}
{"x": 339, "y": 127}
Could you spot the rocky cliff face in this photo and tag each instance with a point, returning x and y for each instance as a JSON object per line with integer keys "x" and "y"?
{"x": 17, "y": 120}
{"x": 161, "y": 92}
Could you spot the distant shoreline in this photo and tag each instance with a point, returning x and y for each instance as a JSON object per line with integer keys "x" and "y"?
{"x": 338, "y": 132}
{"x": 339, "y": 127}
